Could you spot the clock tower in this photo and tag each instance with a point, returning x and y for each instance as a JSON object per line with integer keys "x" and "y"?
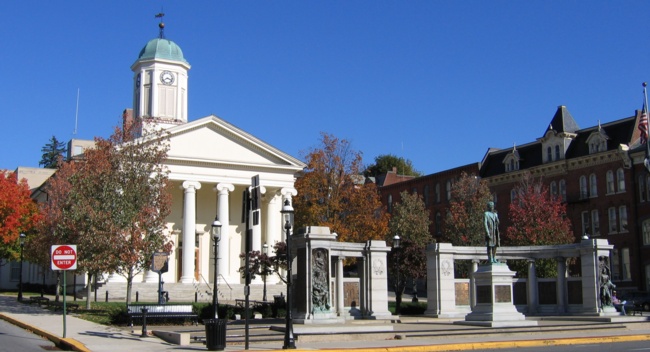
{"x": 160, "y": 84}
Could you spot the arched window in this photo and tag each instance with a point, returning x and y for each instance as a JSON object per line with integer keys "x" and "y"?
{"x": 512, "y": 165}
{"x": 620, "y": 180}
{"x": 437, "y": 193}
{"x": 438, "y": 224}
{"x": 390, "y": 203}
{"x": 448, "y": 189}
{"x": 610, "y": 182}
{"x": 646, "y": 232}
{"x": 513, "y": 196}
{"x": 563, "y": 190}
{"x": 593, "y": 186}
{"x": 553, "y": 189}
{"x": 583, "y": 187}
{"x": 557, "y": 152}
{"x": 549, "y": 154}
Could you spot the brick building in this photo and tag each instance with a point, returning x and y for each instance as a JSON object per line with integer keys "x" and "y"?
{"x": 598, "y": 171}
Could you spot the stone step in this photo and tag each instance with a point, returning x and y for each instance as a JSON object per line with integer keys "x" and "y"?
{"x": 183, "y": 292}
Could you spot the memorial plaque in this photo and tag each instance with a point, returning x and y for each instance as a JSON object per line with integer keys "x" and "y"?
{"x": 502, "y": 294}
{"x": 350, "y": 294}
{"x": 159, "y": 262}
{"x": 484, "y": 294}
{"x": 462, "y": 293}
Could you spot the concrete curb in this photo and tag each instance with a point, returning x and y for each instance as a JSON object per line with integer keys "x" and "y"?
{"x": 490, "y": 345}
{"x": 66, "y": 343}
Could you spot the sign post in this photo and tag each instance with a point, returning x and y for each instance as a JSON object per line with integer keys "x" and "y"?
{"x": 64, "y": 257}
{"x": 159, "y": 264}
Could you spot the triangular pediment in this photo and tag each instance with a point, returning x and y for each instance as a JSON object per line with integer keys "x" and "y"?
{"x": 215, "y": 141}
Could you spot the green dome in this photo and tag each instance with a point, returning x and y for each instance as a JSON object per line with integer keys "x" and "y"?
{"x": 161, "y": 49}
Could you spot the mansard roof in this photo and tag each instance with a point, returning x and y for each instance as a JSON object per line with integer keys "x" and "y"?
{"x": 618, "y": 132}
{"x": 563, "y": 121}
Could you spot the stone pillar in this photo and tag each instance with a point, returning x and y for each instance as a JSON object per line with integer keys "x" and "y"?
{"x": 377, "y": 279}
{"x": 340, "y": 295}
{"x": 532, "y": 287}
{"x": 363, "y": 285}
{"x": 223, "y": 212}
{"x": 189, "y": 230}
{"x": 472, "y": 284}
{"x": 590, "y": 250}
{"x": 441, "y": 289}
{"x": 561, "y": 290}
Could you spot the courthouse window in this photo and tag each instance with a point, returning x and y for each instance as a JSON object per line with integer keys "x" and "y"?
{"x": 610, "y": 182}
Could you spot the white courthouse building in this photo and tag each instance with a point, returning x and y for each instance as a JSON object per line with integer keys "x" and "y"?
{"x": 211, "y": 163}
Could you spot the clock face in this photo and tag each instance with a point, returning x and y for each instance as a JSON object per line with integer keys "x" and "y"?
{"x": 167, "y": 78}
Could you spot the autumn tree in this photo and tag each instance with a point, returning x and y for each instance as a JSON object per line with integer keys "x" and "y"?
{"x": 385, "y": 163}
{"x": 464, "y": 224}
{"x": 332, "y": 193}
{"x": 18, "y": 214}
{"x": 112, "y": 203}
{"x": 410, "y": 221}
{"x": 52, "y": 152}
{"x": 537, "y": 218}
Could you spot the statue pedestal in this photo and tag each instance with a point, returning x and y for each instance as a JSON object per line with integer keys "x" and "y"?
{"x": 494, "y": 306}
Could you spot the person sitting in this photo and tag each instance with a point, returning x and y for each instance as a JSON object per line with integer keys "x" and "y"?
{"x": 618, "y": 304}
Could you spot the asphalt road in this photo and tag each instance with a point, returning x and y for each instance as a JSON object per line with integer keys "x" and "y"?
{"x": 629, "y": 346}
{"x": 13, "y": 338}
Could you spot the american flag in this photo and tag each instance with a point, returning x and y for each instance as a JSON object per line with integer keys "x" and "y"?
{"x": 643, "y": 125}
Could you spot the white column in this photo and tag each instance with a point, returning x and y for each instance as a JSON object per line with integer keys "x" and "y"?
{"x": 223, "y": 213}
{"x": 340, "y": 295}
{"x": 189, "y": 230}
{"x": 472, "y": 284}
{"x": 257, "y": 229}
{"x": 273, "y": 232}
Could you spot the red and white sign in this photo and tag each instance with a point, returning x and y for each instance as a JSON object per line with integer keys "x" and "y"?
{"x": 64, "y": 257}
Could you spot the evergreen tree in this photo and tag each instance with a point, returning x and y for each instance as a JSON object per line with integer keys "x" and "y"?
{"x": 385, "y": 163}
{"x": 51, "y": 153}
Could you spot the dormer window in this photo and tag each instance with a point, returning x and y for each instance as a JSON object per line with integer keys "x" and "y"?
{"x": 597, "y": 141}
{"x": 511, "y": 161}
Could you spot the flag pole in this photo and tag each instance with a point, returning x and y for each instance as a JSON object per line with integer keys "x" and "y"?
{"x": 646, "y": 160}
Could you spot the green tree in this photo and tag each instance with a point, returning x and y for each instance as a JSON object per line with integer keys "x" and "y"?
{"x": 112, "y": 203}
{"x": 385, "y": 163}
{"x": 410, "y": 221}
{"x": 464, "y": 225}
{"x": 52, "y": 152}
{"x": 331, "y": 193}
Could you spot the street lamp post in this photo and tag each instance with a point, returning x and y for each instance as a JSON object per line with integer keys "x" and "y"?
{"x": 398, "y": 295}
{"x": 265, "y": 251}
{"x": 216, "y": 237}
{"x": 20, "y": 284}
{"x": 287, "y": 217}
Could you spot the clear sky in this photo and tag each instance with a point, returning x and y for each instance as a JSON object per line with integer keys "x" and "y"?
{"x": 437, "y": 82}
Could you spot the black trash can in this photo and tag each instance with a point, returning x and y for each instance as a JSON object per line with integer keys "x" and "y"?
{"x": 215, "y": 334}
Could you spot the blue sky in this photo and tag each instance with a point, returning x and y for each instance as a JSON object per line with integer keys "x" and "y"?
{"x": 437, "y": 82}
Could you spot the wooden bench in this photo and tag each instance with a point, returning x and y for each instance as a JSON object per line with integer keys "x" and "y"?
{"x": 59, "y": 306}
{"x": 252, "y": 303}
{"x": 158, "y": 311}
{"x": 39, "y": 300}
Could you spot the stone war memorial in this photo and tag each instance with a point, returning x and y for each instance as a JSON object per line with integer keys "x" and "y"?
{"x": 493, "y": 297}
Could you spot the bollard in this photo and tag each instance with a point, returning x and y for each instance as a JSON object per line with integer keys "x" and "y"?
{"x": 106, "y": 296}
{"x": 137, "y": 296}
{"x": 196, "y": 296}
{"x": 144, "y": 322}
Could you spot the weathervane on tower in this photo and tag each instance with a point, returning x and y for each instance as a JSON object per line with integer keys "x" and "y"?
{"x": 161, "y": 25}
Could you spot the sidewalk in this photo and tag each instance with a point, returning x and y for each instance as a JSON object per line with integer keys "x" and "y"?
{"x": 431, "y": 334}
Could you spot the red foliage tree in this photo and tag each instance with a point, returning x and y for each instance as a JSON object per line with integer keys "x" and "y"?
{"x": 18, "y": 214}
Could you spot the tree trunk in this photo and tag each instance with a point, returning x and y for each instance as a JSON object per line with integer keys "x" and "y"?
{"x": 129, "y": 285}
{"x": 89, "y": 290}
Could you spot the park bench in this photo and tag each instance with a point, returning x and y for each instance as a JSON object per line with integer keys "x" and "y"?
{"x": 252, "y": 303}
{"x": 634, "y": 309}
{"x": 39, "y": 300}
{"x": 59, "y": 306}
{"x": 158, "y": 311}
